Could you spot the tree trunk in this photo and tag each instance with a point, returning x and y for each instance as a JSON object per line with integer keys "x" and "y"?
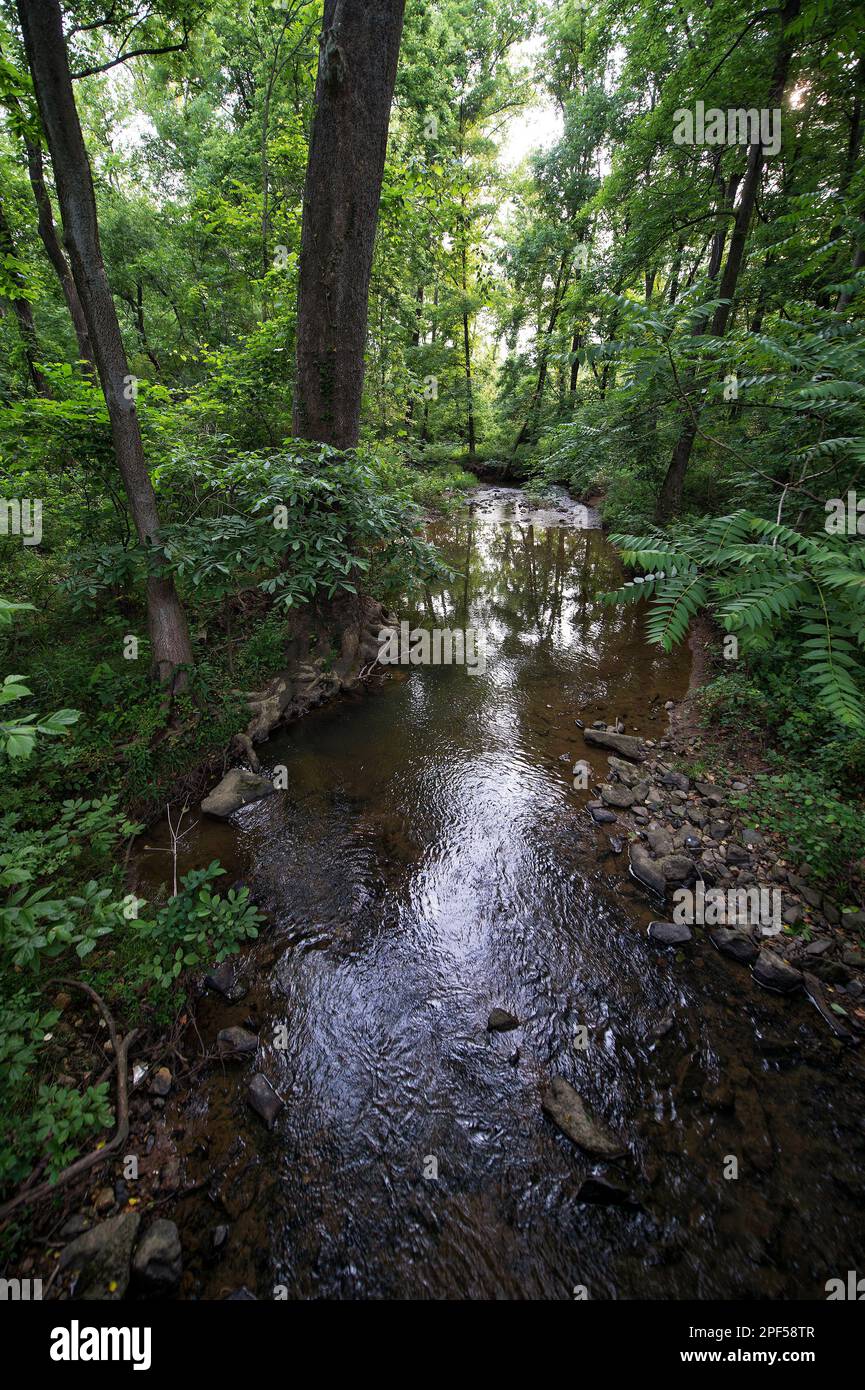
{"x": 576, "y": 344}
{"x": 533, "y": 413}
{"x": 24, "y": 314}
{"x": 54, "y": 252}
{"x": 42, "y": 26}
{"x": 359, "y": 47}
{"x": 670, "y": 496}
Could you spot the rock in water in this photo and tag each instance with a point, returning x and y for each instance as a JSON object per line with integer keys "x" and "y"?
{"x": 774, "y": 973}
{"x": 102, "y": 1258}
{"x": 625, "y": 744}
{"x": 676, "y": 867}
{"x": 566, "y": 1109}
{"x": 735, "y": 942}
{"x": 669, "y": 933}
{"x": 235, "y": 1041}
{"x": 237, "y": 788}
{"x": 264, "y": 1100}
{"x": 500, "y": 1021}
{"x": 224, "y": 981}
{"x": 158, "y": 1262}
{"x": 646, "y": 870}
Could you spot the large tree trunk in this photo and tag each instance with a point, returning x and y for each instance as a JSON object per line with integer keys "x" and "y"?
{"x": 670, "y": 496}
{"x": 42, "y": 26}
{"x": 54, "y": 252}
{"x": 359, "y": 47}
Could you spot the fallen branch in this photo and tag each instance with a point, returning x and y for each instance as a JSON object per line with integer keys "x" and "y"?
{"x": 121, "y": 1047}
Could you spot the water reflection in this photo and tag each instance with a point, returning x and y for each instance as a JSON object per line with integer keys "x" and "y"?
{"x": 430, "y": 861}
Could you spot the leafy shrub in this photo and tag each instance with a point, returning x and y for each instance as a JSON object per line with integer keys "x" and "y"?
{"x": 825, "y": 833}
{"x": 195, "y": 927}
{"x": 759, "y": 580}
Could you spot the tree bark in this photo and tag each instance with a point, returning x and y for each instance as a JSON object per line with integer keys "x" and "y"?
{"x": 24, "y": 314}
{"x": 42, "y": 26}
{"x": 529, "y": 426}
{"x": 670, "y": 496}
{"x": 359, "y": 47}
{"x": 54, "y": 252}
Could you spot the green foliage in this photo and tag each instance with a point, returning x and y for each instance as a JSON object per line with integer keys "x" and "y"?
{"x": 824, "y": 832}
{"x": 759, "y": 579}
{"x": 297, "y": 525}
{"x": 195, "y": 928}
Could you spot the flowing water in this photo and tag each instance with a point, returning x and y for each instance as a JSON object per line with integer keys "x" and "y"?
{"x": 430, "y": 861}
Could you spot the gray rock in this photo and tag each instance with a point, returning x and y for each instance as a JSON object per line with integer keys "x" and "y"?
{"x": 737, "y": 854}
{"x": 645, "y": 870}
{"x": 601, "y": 816}
{"x": 819, "y": 947}
{"x": 101, "y": 1258}
{"x": 264, "y": 1100}
{"x": 855, "y": 959}
{"x": 158, "y": 1262}
{"x": 237, "y": 788}
{"x": 75, "y": 1226}
{"x": 697, "y": 815}
{"x": 669, "y": 933}
{"x": 234, "y": 1041}
{"x": 676, "y": 867}
{"x": 660, "y": 841}
{"x": 735, "y": 943}
{"x": 752, "y": 839}
{"x": 627, "y": 772}
{"x": 500, "y": 1021}
{"x": 720, "y": 829}
{"x": 624, "y": 744}
{"x": 773, "y": 972}
{"x": 617, "y": 795}
{"x": 677, "y": 780}
{"x": 831, "y": 972}
{"x": 567, "y": 1110}
{"x": 223, "y": 980}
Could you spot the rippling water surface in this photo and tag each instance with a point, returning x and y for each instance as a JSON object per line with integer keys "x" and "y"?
{"x": 430, "y": 861}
